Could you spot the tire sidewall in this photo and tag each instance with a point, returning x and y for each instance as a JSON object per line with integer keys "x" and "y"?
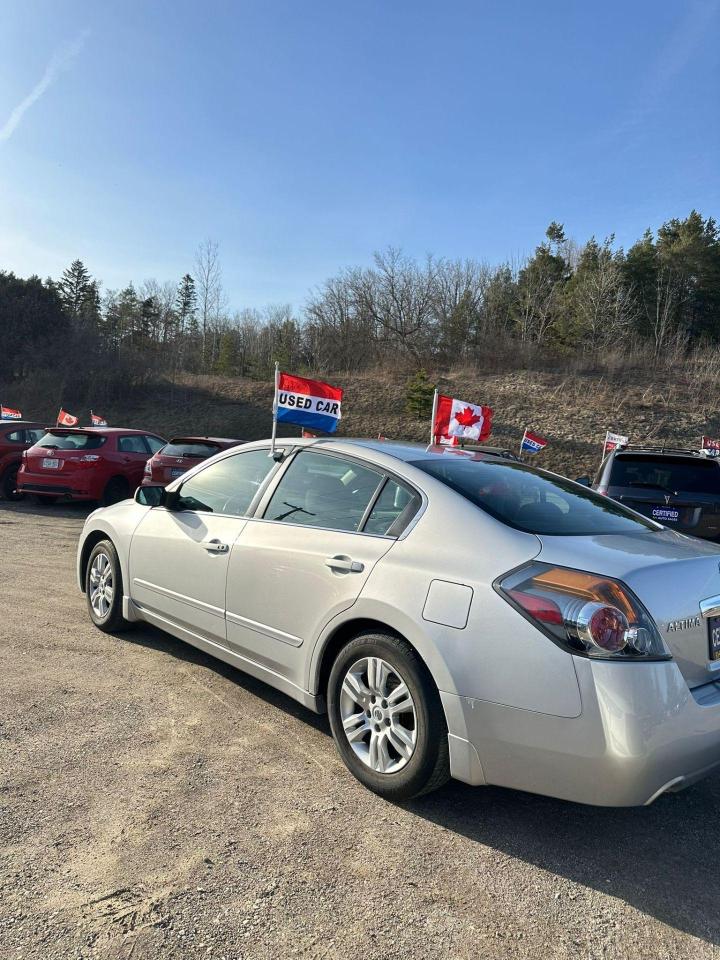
{"x": 9, "y": 484}
{"x": 114, "y": 614}
{"x": 116, "y": 489}
{"x": 412, "y": 778}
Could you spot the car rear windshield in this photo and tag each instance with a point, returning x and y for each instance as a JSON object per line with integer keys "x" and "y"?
{"x": 189, "y": 448}
{"x": 71, "y": 441}
{"x": 531, "y": 500}
{"x": 666, "y": 474}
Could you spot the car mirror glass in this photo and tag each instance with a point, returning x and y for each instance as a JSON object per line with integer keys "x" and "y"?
{"x": 152, "y": 495}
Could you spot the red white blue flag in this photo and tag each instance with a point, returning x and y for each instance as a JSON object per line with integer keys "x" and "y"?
{"x": 97, "y": 421}
{"x": 310, "y": 404}
{"x": 9, "y": 413}
{"x": 532, "y": 443}
{"x": 456, "y": 420}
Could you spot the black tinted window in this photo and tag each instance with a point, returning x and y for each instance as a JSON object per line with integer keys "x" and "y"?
{"x": 392, "y": 511}
{"x": 186, "y": 449}
{"x": 155, "y": 443}
{"x": 133, "y": 444}
{"x": 227, "y": 486}
{"x": 71, "y": 441}
{"x": 533, "y": 501}
{"x": 16, "y": 436}
{"x": 666, "y": 474}
{"x": 322, "y": 491}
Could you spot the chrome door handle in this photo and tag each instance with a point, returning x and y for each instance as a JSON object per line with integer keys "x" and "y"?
{"x": 215, "y": 546}
{"x": 345, "y": 564}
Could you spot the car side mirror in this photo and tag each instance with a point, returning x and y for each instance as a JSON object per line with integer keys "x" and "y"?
{"x": 585, "y": 481}
{"x": 151, "y": 495}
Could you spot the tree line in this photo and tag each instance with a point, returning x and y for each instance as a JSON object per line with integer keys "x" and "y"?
{"x": 662, "y": 294}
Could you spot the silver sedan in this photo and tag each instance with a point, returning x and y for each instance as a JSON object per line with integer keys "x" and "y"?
{"x": 457, "y": 614}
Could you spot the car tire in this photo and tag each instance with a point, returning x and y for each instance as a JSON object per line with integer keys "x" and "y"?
{"x": 116, "y": 489}
{"x": 45, "y": 501}
{"x": 397, "y": 753}
{"x": 104, "y": 588}
{"x": 9, "y": 484}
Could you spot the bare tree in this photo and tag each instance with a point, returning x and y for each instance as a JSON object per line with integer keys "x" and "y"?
{"x": 210, "y": 294}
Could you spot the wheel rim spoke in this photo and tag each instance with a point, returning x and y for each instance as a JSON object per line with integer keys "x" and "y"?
{"x": 382, "y": 733}
{"x": 101, "y": 585}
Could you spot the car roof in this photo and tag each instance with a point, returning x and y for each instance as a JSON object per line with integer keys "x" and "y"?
{"x": 22, "y": 423}
{"x": 185, "y": 439}
{"x": 406, "y": 451}
{"x": 101, "y": 430}
{"x": 662, "y": 452}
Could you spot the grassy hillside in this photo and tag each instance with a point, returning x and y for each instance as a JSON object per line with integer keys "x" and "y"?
{"x": 572, "y": 411}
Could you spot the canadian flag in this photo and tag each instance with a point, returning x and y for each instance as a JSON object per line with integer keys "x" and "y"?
{"x": 459, "y": 420}
{"x": 65, "y": 419}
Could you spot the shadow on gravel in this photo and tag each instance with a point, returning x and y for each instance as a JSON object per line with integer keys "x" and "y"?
{"x": 73, "y": 510}
{"x": 662, "y": 860}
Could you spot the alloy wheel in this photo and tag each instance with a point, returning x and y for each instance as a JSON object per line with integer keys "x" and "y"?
{"x": 378, "y": 715}
{"x": 101, "y": 585}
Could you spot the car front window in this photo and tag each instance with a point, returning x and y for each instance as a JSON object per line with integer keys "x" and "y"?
{"x": 318, "y": 490}
{"x": 227, "y": 486}
{"x": 533, "y": 501}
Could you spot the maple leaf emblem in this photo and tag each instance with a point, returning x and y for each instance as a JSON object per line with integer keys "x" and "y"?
{"x": 467, "y": 417}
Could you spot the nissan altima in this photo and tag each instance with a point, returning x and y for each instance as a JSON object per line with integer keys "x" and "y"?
{"x": 456, "y": 614}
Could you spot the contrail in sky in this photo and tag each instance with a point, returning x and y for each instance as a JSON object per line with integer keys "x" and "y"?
{"x": 60, "y": 61}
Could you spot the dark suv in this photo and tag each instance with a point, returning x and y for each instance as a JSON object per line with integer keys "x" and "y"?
{"x": 678, "y": 488}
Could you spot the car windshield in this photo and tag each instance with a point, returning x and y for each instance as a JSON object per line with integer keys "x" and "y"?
{"x": 667, "y": 474}
{"x": 71, "y": 441}
{"x": 533, "y": 501}
{"x": 189, "y": 448}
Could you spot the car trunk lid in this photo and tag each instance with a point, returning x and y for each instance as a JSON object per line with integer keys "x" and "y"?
{"x": 670, "y": 574}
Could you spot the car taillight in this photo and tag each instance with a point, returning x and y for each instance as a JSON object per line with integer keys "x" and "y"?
{"x": 148, "y": 469}
{"x": 584, "y": 612}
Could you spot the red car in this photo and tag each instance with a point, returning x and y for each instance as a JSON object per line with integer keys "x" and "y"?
{"x": 87, "y": 463}
{"x": 180, "y": 454}
{"x": 15, "y": 436}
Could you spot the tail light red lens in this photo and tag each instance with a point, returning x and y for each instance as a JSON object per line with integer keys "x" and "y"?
{"x": 584, "y": 612}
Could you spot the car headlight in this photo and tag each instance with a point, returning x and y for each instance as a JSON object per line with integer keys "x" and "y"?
{"x": 583, "y": 612}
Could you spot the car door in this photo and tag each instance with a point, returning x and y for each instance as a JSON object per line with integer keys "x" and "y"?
{"x": 179, "y": 553}
{"x": 308, "y": 558}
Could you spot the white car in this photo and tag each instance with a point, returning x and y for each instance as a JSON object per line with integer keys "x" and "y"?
{"x": 456, "y": 614}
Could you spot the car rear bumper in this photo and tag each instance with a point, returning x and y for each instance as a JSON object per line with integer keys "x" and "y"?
{"x": 69, "y": 486}
{"x": 641, "y": 733}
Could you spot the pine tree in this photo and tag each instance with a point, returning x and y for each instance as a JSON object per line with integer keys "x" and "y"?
{"x": 79, "y": 295}
{"x": 419, "y": 395}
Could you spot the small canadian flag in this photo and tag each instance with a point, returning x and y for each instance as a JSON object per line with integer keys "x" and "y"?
{"x": 65, "y": 419}
{"x": 97, "y": 420}
{"x": 455, "y": 420}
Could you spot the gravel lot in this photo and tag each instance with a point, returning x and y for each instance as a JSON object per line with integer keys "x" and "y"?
{"x": 155, "y": 803}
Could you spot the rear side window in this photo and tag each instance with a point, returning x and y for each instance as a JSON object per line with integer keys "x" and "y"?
{"x": 392, "y": 511}
{"x": 666, "y": 474}
{"x": 34, "y": 435}
{"x": 16, "y": 436}
{"x": 227, "y": 486}
{"x": 323, "y": 491}
{"x": 134, "y": 444}
{"x": 155, "y": 443}
{"x": 191, "y": 449}
{"x": 71, "y": 441}
{"x": 533, "y": 501}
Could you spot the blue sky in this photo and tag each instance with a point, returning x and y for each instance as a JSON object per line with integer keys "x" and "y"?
{"x": 304, "y": 136}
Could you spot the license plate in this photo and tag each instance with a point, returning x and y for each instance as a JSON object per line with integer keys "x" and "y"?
{"x": 714, "y": 637}
{"x": 176, "y": 473}
{"x": 665, "y": 514}
{"x": 49, "y": 463}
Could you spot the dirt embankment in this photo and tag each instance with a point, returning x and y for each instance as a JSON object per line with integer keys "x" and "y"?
{"x": 571, "y": 411}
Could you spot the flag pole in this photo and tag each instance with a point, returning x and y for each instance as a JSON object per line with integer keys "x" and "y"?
{"x": 523, "y": 441}
{"x": 432, "y": 421}
{"x": 604, "y": 447}
{"x": 275, "y": 407}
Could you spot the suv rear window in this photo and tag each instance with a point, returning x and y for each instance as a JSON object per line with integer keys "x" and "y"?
{"x": 667, "y": 474}
{"x": 71, "y": 441}
{"x": 531, "y": 500}
{"x": 190, "y": 449}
